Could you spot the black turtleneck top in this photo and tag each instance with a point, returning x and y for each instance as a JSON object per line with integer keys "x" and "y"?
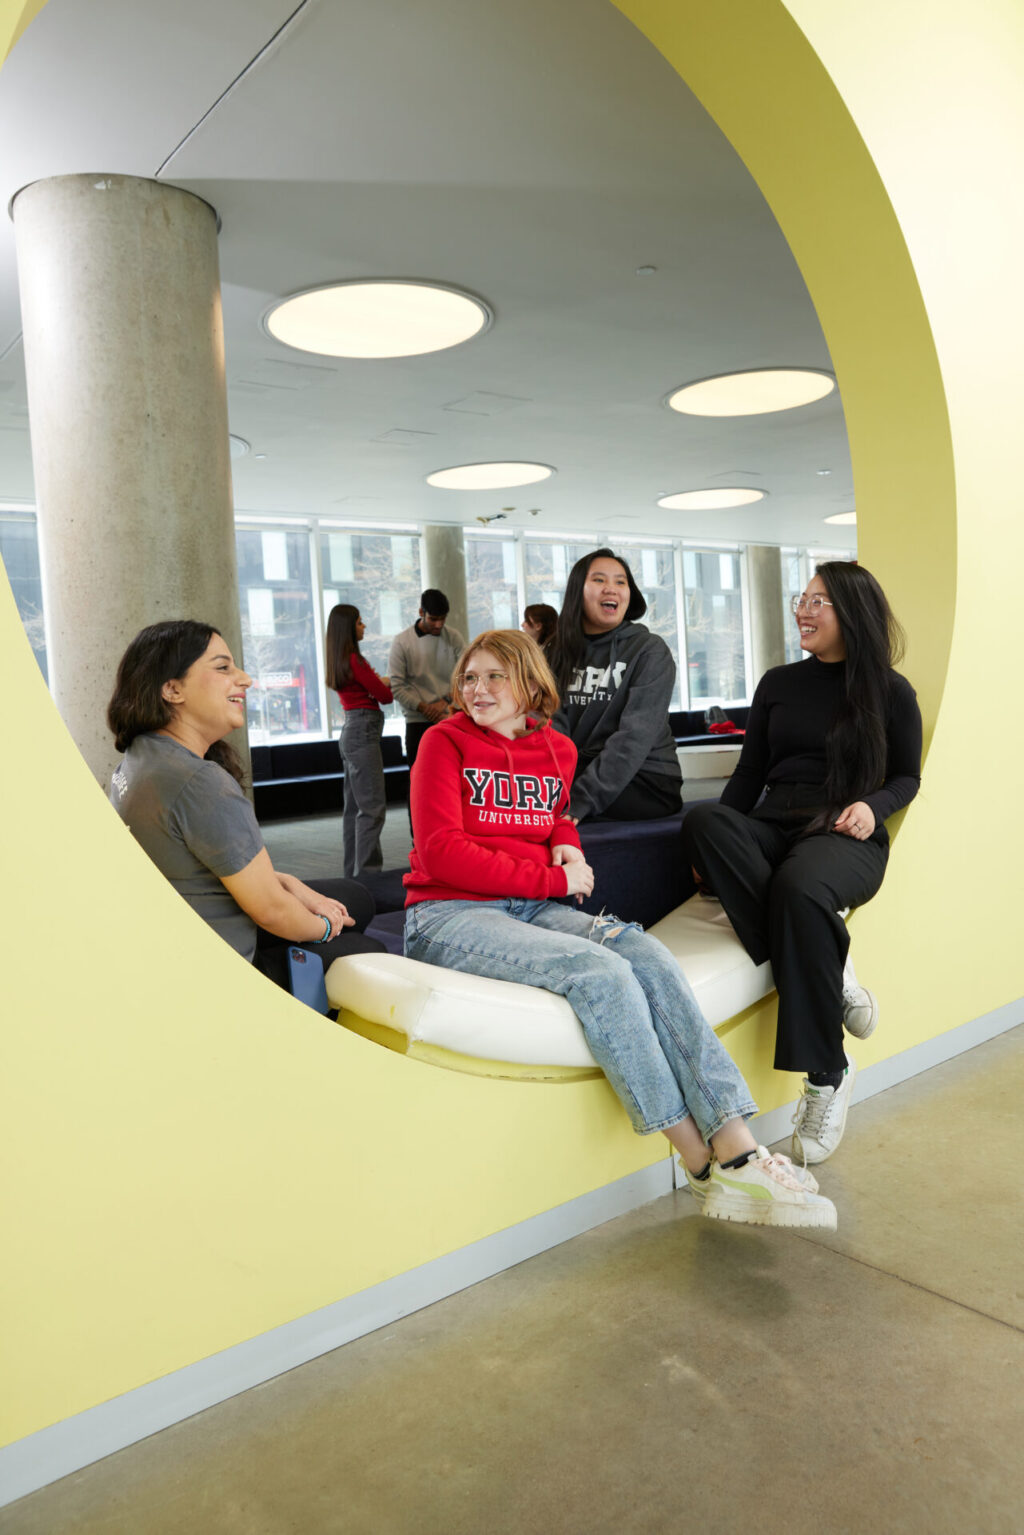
{"x": 792, "y": 709}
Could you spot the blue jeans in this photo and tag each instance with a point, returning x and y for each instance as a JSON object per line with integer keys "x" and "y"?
{"x": 640, "y": 1017}
{"x": 365, "y": 806}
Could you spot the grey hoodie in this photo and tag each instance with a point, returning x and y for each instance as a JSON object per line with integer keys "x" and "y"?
{"x": 615, "y": 710}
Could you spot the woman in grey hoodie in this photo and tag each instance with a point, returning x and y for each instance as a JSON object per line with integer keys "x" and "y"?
{"x": 615, "y": 679}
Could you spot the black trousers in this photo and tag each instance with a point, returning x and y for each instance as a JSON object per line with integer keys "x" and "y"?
{"x": 782, "y": 892}
{"x": 650, "y": 797}
{"x": 272, "y": 952}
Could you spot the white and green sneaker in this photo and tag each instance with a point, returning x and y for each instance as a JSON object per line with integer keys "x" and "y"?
{"x": 766, "y": 1191}
{"x": 699, "y": 1186}
{"x": 820, "y": 1117}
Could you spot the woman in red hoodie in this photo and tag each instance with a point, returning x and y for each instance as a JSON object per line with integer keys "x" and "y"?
{"x": 361, "y": 693}
{"x": 495, "y": 851}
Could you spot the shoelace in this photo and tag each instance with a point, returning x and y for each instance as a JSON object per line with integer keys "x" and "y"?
{"x": 810, "y": 1117}
{"x": 791, "y": 1168}
{"x": 780, "y": 1168}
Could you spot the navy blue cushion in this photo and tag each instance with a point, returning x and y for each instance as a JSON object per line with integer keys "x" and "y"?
{"x": 385, "y": 885}
{"x": 388, "y": 927}
{"x": 640, "y": 873}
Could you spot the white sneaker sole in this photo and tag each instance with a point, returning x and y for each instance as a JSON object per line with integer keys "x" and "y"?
{"x": 770, "y": 1212}
{"x": 872, "y": 1023}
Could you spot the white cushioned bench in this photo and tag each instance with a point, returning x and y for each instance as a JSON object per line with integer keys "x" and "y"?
{"x": 498, "y": 1028}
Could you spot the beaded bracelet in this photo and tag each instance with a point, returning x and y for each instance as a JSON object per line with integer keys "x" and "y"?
{"x": 327, "y": 930}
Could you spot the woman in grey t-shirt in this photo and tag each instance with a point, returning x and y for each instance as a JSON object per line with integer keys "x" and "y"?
{"x": 178, "y": 694}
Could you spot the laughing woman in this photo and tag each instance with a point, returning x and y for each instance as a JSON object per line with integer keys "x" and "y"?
{"x": 178, "y": 694}
{"x": 494, "y": 849}
{"x": 616, "y": 680}
{"x": 833, "y": 743}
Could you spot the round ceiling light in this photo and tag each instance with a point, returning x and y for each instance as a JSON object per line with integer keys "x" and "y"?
{"x": 843, "y": 519}
{"x": 488, "y": 476}
{"x": 710, "y": 500}
{"x": 389, "y": 318}
{"x": 752, "y": 394}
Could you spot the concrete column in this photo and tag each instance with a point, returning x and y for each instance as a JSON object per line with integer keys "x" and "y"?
{"x": 764, "y": 593}
{"x": 124, "y": 352}
{"x": 444, "y": 567}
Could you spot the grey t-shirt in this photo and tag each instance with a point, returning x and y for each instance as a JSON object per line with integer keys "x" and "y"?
{"x": 195, "y": 823}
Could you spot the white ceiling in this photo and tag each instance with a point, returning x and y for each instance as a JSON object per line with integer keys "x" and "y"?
{"x": 534, "y": 155}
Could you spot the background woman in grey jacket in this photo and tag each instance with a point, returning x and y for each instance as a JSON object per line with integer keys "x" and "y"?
{"x": 615, "y": 679}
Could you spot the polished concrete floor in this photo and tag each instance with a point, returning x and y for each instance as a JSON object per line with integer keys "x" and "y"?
{"x": 662, "y": 1373}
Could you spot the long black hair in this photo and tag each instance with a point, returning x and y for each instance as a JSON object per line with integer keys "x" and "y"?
{"x": 341, "y": 644}
{"x": 158, "y": 654}
{"x": 570, "y": 643}
{"x": 855, "y": 747}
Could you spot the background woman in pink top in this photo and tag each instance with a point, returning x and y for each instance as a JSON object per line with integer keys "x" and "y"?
{"x": 361, "y": 693}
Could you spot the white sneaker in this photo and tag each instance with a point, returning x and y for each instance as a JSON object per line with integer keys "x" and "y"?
{"x": 699, "y": 1186}
{"x": 820, "y": 1117}
{"x": 860, "y": 1006}
{"x": 766, "y": 1191}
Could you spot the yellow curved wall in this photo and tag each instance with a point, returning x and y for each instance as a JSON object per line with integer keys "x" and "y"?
{"x": 203, "y": 1164}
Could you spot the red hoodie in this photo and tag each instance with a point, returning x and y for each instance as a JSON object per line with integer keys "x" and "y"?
{"x": 488, "y": 812}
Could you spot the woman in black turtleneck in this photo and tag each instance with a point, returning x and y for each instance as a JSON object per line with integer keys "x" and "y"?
{"x": 835, "y": 741}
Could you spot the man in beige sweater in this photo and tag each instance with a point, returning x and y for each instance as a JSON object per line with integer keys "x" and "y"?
{"x": 420, "y": 668}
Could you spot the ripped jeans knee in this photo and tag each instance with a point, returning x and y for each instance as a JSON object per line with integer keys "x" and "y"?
{"x": 606, "y": 926}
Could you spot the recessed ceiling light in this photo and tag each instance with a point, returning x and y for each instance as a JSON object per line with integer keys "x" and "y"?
{"x": 390, "y": 318}
{"x": 842, "y": 519}
{"x": 752, "y": 394}
{"x": 239, "y": 446}
{"x": 710, "y": 500}
{"x": 488, "y": 476}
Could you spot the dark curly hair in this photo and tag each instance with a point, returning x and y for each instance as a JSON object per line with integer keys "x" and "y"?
{"x": 156, "y": 655}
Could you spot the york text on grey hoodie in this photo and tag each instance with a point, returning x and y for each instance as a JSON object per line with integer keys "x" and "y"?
{"x": 615, "y": 710}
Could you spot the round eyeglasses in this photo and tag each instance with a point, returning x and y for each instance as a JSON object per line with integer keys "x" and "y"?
{"x": 810, "y": 605}
{"x": 490, "y": 680}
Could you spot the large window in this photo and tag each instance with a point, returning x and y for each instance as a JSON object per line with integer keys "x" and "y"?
{"x": 280, "y": 641}
{"x": 291, "y": 573}
{"x": 548, "y": 564}
{"x": 715, "y": 645}
{"x": 492, "y": 586}
{"x": 794, "y": 566}
{"x": 653, "y": 568}
{"x": 19, "y": 549}
{"x": 379, "y": 573}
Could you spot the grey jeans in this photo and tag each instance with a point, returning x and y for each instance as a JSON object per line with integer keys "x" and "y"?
{"x": 365, "y": 808}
